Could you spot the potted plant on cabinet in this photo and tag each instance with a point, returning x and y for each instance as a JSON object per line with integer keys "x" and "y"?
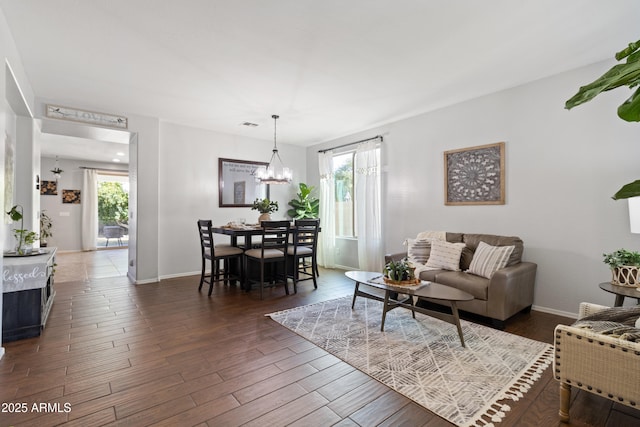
{"x": 265, "y": 207}
{"x": 306, "y": 205}
{"x": 24, "y": 238}
{"x": 45, "y": 228}
{"x": 624, "y": 266}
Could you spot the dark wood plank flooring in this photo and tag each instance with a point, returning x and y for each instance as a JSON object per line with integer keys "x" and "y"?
{"x": 163, "y": 354}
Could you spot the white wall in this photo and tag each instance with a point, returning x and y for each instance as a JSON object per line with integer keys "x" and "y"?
{"x": 9, "y": 80}
{"x": 188, "y": 189}
{"x": 561, "y": 169}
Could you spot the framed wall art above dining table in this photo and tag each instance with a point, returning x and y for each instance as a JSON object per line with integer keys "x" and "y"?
{"x": 237, "y": 185}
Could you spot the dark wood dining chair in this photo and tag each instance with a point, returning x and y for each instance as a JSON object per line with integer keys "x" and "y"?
{"x": 216, "y": 255}
{"x": 302, "y": 252}
{"x": 275, "y": 242}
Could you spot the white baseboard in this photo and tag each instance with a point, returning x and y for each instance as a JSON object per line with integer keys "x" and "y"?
{"x": 344, "y": 267}
{"x": 1, "y": 352}
{"x": 174, "y": 276}
{"x": 554, "y": 311}
{"x": 144, "y": 282}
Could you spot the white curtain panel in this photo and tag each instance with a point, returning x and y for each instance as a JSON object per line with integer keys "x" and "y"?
{"x": 327, "y": 238}
{"x": 367, "y": 199}
{"x": 89, "y": 210}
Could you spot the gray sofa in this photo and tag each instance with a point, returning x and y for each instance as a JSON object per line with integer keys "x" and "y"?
{"x": 510, "y": 289}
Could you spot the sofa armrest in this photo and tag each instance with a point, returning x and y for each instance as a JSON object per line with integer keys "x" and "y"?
{"x": 511, "y": 290}
{"x": 394, "y": 257}
{"x": 597, "y": 363}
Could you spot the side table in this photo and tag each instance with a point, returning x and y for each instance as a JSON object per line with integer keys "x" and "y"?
{"x": 620, "y": 292}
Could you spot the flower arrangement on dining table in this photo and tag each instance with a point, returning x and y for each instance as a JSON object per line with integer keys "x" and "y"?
{"x": 265, "y": 207}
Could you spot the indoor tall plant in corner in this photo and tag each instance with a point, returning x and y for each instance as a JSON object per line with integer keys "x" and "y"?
{"x": 306, "y": 205}
{"x": 623, "y": 74}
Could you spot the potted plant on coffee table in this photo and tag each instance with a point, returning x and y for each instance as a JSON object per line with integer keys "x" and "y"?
{"x": 624, "y": 266}
{"x": 265, "y": 207}
{"x": 400, "y": 273}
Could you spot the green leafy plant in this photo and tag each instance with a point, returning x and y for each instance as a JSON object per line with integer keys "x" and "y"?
{"x": 622, "y": 257}
{"x": 113, "y": 203}
{"x": 264, "y": 206}
{"x": 45, "y": 228}
{"x": 623, "y": 74}
{"x": 22, "y": 235}
{"x": 399, "y": 270}
{"x": 306, "y": 205}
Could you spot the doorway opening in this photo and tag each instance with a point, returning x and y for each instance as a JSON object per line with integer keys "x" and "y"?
{"x": 113, "y": 210}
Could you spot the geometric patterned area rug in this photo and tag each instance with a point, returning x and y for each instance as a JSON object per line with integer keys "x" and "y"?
{"x": 422, "y": 358}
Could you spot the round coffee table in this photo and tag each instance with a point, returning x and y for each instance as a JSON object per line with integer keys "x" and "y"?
{"x": 429, "y": 290}
{"x": 620, "y": 292}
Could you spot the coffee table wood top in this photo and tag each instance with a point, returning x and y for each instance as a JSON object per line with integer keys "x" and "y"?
{"x": 428, "y": 290}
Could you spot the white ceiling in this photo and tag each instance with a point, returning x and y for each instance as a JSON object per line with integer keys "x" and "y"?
{"x": 329, "y": 68}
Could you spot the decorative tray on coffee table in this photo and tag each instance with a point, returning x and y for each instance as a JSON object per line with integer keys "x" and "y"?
{"x": 411, "y": 282}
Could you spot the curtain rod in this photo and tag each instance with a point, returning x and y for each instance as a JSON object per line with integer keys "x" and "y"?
{"x": 105, "y": 169}
{"x": 351, "y": 143}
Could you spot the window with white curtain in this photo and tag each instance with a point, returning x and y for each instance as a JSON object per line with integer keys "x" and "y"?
{"x": 346, "y": 215}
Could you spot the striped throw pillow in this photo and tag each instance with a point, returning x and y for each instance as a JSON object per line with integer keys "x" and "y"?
{"x": 418, "y": 250}
{"x": 445, "y": 255}
{"x": 488, "y": 259}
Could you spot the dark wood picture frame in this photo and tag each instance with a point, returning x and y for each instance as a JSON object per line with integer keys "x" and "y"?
{"x": 48, "y": 188}
{"x": 71, "y": 196}
{"x": 475, "y": 175}
{"x": 237, "y": 186}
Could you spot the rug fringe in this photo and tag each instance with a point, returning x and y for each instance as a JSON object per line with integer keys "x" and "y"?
{"x": 495, "y": 412}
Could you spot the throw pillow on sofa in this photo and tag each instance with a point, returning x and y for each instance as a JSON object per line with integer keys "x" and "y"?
{"x": 488, "y": 259}
{"x": 418, "y": 250}
{"x": 445, "y": 255}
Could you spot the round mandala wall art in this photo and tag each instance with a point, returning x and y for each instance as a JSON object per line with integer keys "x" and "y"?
{"x": 475, "y": 176}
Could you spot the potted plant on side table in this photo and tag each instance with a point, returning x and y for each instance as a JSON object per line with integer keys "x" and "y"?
{"x": 624, "y": 266}
{"x": 265, "y": 207}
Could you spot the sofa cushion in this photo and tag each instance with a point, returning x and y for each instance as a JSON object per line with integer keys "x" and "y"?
{"x": 473, "y": 240}
{"x": 418, "y": 250}
{"x": 429, "y": 275}
{"x": 454, "y": 237}
{"x": 488, "y": 259}
{"x": 445, "y": 255}
{"x": 475, "y": 285}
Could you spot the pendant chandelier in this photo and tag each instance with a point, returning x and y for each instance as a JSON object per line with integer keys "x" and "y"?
{"x": 56, "y": 170}
{"x": 274, "y": 172}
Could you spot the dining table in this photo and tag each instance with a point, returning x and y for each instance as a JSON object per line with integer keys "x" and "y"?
{"x": 247, "y": 232}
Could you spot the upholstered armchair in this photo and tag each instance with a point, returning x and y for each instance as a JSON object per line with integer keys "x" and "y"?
{"x": 601, "y": 364}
